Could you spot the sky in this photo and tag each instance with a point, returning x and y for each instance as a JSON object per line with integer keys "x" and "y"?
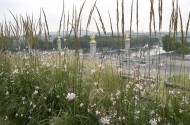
{"x": 53, "y": 10}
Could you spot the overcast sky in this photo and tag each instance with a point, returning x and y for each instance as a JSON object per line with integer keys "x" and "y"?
{"x": 53, "y": 9}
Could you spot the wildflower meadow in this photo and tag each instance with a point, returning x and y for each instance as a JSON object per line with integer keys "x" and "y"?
{"x": 68, "y": 87}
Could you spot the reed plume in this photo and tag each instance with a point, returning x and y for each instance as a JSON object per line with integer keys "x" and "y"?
{"x": 90, "y": 16}
{"x": 48, "y": 36}
{"x": 131, "y": 20}
{"x": 123, "y": 21}
{"x": 182, "y": 34}
{"x": 137, "y": 17}
{"x": 73, "y": 17}
{"x": 160, "y": 5}
{"x": 111, "y": 24}
{"x": 102, "y": 23}
{"x": 117, "y": 19}
{"x": 80, "y": 12}
{"x": 62, "y": 14}
{"x": 187, "y": 26}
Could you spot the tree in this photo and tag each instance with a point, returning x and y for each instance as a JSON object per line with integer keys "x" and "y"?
{"x": 169, "y": 43}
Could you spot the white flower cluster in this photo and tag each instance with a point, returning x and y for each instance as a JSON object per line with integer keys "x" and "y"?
{"x": 70, "y": 96}
{"x": 105, "y": 120}
{"x": 93, "y": 71}
{"x": 145, "y": 46}
{"x": 101, "y": 66}
{"x": 153, "y": 122}
{"x": 15, "y": 71}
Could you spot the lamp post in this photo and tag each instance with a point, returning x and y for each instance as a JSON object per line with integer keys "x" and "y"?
{"x": 58, "y": 42}
{"x": 92, "y": 46}
{"x": 127, "y": 45}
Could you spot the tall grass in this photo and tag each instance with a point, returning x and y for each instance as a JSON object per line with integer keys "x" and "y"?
{"x": 40, "y": 87}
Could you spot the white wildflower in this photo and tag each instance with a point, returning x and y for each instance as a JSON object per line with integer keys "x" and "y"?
{"x": 97, "y": 112}
{"x": 127, "y": 86}
{"x": 171, "y": 92}
{"x": 162, "y": 64}
{"x": 118, "y": 93}
{"x": 119, "y": 118}
{"x": 105, "y": 121}
{"x": 23, "y": 98}
{"x": 136, "y": 117}
{"x": 136, "y": 97}
{"x": 24, "y": 102}
{"x": 152, "y": 85}
{"x": 113, "y": 102}
{"x": 137, "y": 112}
{"x": 145, "y": 46}
{"x": 100, "y": 90}
{"x": 180, "y": 111}
{"x": 185, "y": 100}
{"x": 96, "y": 83}
{"x": 93, "y": 71}
{"x": 101, "y": 66}
{"x": 31, "y": 103}
{"x": 153, "y": 122}
{"x": 65, "y": 67}
{"x": 7, "y": 93}
{"x": 37, "y": 87}
{"x": 139, "y": 86}
{"x": 162, "y": 105}
{"x": 62, "y": 53}
{"x": 152, "y": 112}
{"x": 6, "y": 118}
{"x": 93, "y": 105}
{"x": 35, "y": 92}
{"x": 123, "y": 118}
{"x": 49, "y": 110}
{"x": 15, "y": 71}
{"x": 119, "y": 69}
{"x": 157, "y": 48}
{"x": 81, "y": 104}
{"x": 70, "y": 96}
{"x": 88, "y": 110}
{"x": 34, "y": 106}
{"x": 142, "y": 93}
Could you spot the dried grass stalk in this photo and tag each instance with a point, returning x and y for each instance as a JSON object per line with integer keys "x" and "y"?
{"x": 123, "y": 22}
{"x": 182, "y": 34}
{"x": 111, "y": 24}
{"x": 67, "y": 24}
{"x": 90, "y": 16}
{"x": 62, "y": 14}
{"x": 160, "y": 5}
{"x": 64, "y": 25}
{"x": 187, "y": 26}
{"x": 102, "y": 23}
{"x": 73, "y": 17}
{"x": 117, "y": 19}
{"x": 99, "y": 34}
{"x": 137, "y": 17}
{"x": 176, "y": 19}
{"x": 152, "y": 17}
{"x": 48, "y": 36}
{"x": 80, "y": 12}
{"x": 131, "y": 20}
